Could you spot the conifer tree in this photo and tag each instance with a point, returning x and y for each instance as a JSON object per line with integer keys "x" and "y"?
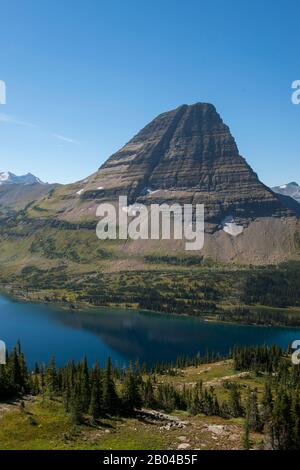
{"x": 148, "y": 398}
{"x": 295, "y": 417}
{"x": 95, "y": 407}
{"x": 36, "y": 384}
{"x": 110, "y": 397}
{"x": 51, "y": 378}
{"x": 246, "y": 438}
{"x": 75, "y": 409}
{"x": 131, "y": 397}
{"x": 267, "y": 403}
{"x": 68, "y": 384}
{"x": 235, "y": 405}
{"x": 84, "y": 386}
{"x": 281, "y": 421}
{"x": 15, "y": 376}
{"x": 252, "y": 414}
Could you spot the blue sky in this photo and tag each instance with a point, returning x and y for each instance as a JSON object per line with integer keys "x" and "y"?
{"x": 83, "y": 76}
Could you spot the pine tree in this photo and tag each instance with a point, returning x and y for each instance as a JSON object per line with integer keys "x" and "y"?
{"x": 84, "y": 386}
{"x": 51, "y": 378}
{"x": 252, "y": 414}
{"x": 131, "y": 397}
{"x": 15, "y": 375}
{"x": 68, "y": 384}
{"x": 234, "y": 403}
{"x": 267, "y": 403}
{"x": 5, "y": 387}
{"x": 24, "y": 378}
{"x": 246, "y": 439}
{"x": 75, "y": 409}
{"x": 110, "y": 397}
{"x": 281, "y": 421}
{"x": 148, "y": 398}
{"x": 295, "y": 416}
{"x": 95, "y": 407}
{"x": 36, "y": 384}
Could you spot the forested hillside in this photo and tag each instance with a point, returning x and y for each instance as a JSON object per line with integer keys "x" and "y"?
{"x": 261, "y": 393}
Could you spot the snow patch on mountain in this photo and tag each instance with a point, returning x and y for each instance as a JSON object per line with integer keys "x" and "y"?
{"x": 6, "y": 177}
{"x": 231, "y": 227}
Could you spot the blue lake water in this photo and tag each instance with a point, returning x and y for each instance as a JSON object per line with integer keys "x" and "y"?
{"x": 123, "y": 335}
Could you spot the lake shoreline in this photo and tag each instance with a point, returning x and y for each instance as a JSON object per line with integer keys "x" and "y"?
{"x": 124, "y": 335}
{"x": 81, "y": 306}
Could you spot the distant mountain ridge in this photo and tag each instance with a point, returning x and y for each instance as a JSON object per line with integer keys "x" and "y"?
{"x": 6, "y": 177}
{"x": 290, "y": 189}
{"x": 16, "y": 192}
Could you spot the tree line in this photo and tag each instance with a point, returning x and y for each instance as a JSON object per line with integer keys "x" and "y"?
{"x": 275, "y": 287}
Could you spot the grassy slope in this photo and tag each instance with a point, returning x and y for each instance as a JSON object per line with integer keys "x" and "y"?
{"x": 44, "y": 425}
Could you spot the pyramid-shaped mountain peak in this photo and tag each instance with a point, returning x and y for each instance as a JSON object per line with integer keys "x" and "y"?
{"x": 185, "y": 155}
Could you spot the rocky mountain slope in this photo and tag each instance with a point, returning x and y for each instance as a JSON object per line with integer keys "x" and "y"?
{"x": 186, "y": 155}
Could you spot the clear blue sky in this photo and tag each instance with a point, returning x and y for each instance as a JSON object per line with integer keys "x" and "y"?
{"x": 83, "y": 76}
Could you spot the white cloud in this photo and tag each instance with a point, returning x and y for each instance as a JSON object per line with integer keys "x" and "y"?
{"x": 9, "y": 119}
{"x": 65, "y": 139}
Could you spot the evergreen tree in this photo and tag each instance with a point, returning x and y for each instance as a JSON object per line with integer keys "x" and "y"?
{"x": 36, "y": 384}
{"x": 110, "y": 397}
{"x": 95, "y": 407}
{"x": 246, "y": 438}
{"x": 15, "y": 375}
{"x": 281, "y": 421}
{"x": 75, "y": 409}
{"x": 51, "y": 378}
{"x": 252, "y": 414}
{"x": 196, "y": 400}
{"x": 148, "y": 398}
{"x": 295, "y": 417}
{"x": 84, "y": 386}
{"x": 131, "y": 397}
{"x": 234, "y": 403}
{"x": 267, "y": 403}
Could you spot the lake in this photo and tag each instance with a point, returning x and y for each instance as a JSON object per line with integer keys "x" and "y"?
{"x": 123, "y": 335}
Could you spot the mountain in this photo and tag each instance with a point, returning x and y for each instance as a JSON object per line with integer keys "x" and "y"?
{"x": 186, "y": 155}
{"x": 16, "y": 192}
{"x": 11, "y": 178}
{"x": 289, "y": 189}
